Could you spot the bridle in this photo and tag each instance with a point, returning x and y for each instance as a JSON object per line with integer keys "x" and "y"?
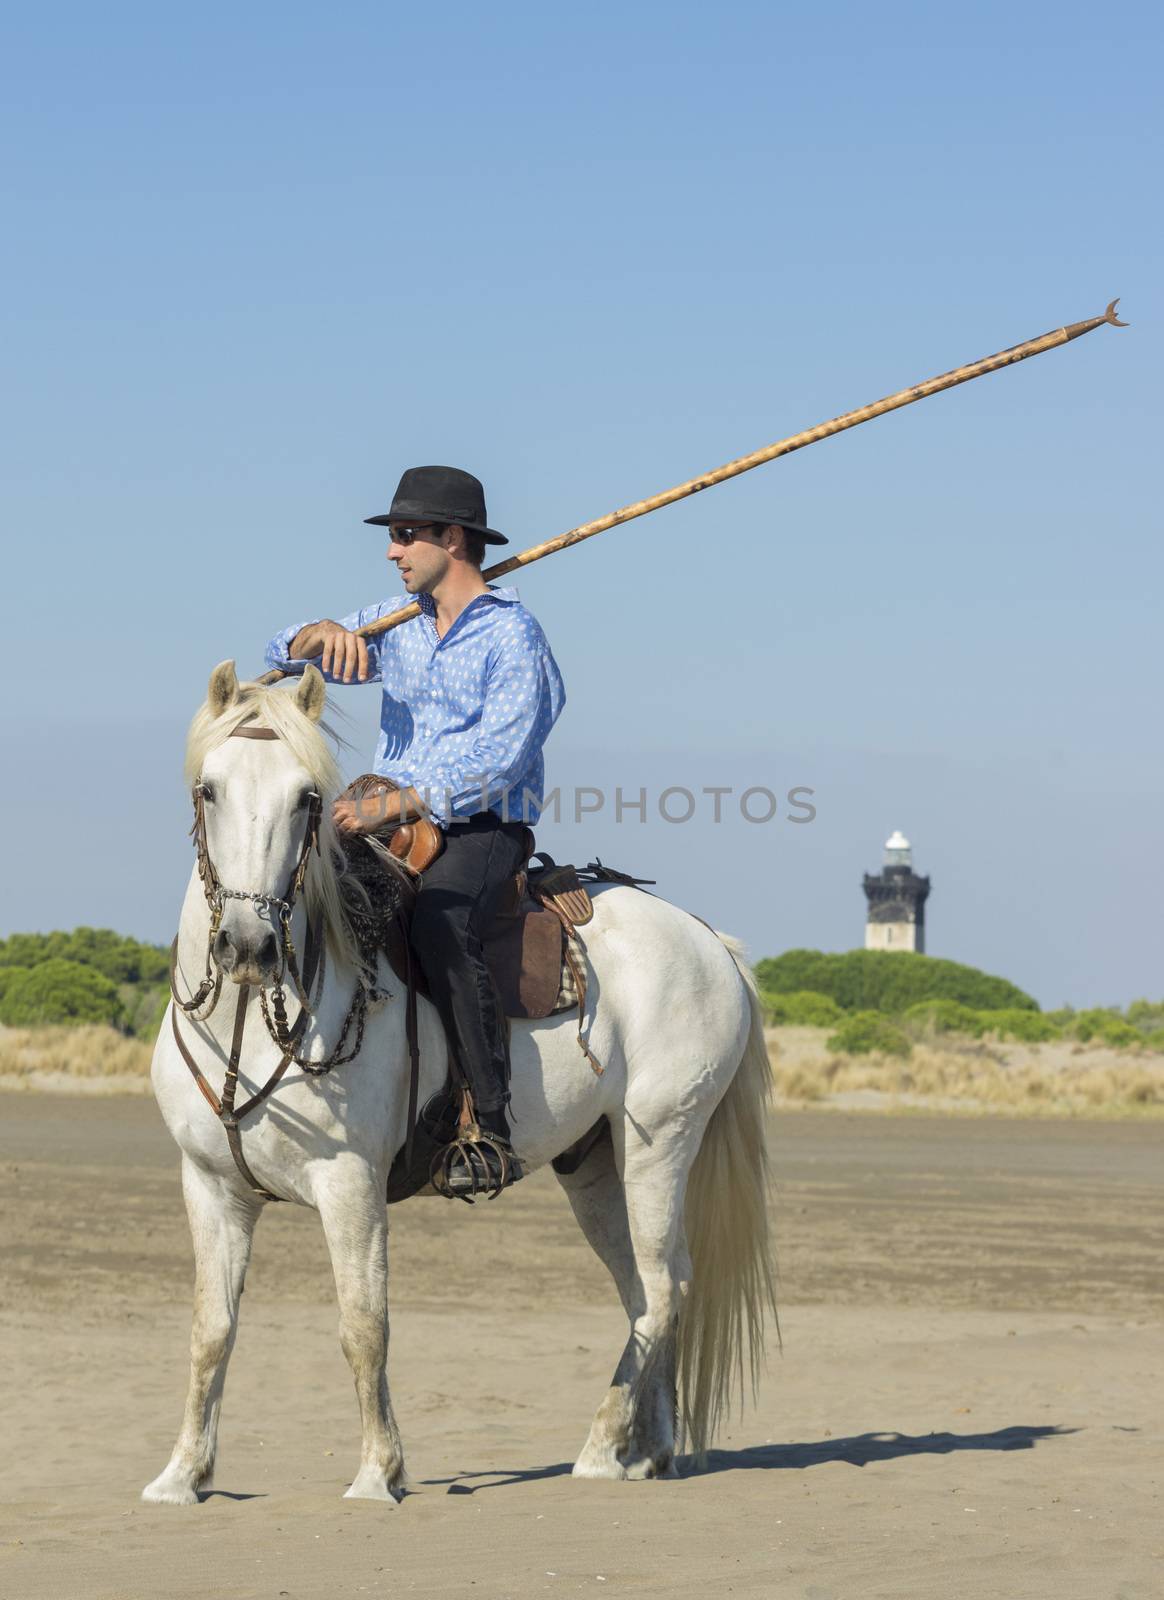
{"x": 217, "y": 894}
{"x": 274, "y": 1014}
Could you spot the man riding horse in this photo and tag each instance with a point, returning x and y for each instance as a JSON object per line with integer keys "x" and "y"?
{"x": 470, "y": 693}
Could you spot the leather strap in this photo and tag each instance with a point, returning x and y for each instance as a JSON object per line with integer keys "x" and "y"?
{"x": 411, "y": 1028}
{"x": 245, "y": 731}
{"x": 206, "y": 989}
{"x": 222, "y": 1110}
{"x": 578, "y": 973}
{"x": 224, "y": 1107}
{"x": 227, "y": 1115}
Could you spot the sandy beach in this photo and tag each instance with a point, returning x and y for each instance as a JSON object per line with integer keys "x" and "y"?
{"x": 969, "y": 1400}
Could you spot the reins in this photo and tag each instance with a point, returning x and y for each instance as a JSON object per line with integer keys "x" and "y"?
{"x": 223, "y": 1106}
{"x": 285, "y": 1037}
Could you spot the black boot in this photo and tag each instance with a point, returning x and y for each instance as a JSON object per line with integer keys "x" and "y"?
{"x": 479, "y": 1161}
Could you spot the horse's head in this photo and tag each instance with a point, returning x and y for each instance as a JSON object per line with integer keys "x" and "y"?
{"x": 260, "y": 774}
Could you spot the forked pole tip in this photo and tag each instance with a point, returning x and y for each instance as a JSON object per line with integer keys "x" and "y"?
{"x": 1110, "y": 316}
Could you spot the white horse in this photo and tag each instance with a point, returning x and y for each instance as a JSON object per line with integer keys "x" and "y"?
{"x": 673, "y": 1203}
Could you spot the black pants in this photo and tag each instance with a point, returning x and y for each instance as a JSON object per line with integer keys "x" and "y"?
{"x": 455, "y": 903}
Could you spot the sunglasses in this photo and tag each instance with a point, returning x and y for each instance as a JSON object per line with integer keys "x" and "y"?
{"x": 408, "y": 533}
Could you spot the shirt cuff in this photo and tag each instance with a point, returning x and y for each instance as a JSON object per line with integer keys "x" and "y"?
{"x": 436, "y": 803}
{"x": 469, "y": 798}
{"x": 277, "y": 656}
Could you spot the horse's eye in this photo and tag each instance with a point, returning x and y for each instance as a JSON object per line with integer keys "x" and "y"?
{"x": 306, "y": 796}
{"x": 204, "y": 791}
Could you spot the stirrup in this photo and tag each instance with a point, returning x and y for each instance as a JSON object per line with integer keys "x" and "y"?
{"x": 462, "y": 1170}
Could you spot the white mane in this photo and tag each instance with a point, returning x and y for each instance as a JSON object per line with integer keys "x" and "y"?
{"x": 311, "y": 744}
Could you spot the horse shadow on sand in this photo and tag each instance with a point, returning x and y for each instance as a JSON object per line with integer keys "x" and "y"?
{"x": 858, "y": 1450}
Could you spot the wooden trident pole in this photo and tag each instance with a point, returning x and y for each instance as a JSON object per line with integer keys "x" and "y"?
{"x": 783, "y": 447}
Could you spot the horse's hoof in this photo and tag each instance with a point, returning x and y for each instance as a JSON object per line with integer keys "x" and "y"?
{"x": 170, "y": 1491}
{"x": 662, "y": 1466}
{"x": 594, "y": 1464}
{"x": 604, "y": 1467}
{"x": 372, "y": 1485}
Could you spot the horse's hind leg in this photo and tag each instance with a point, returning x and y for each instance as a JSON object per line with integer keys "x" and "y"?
{"x": 633, "y": 1432}
{"x": 356, "y": 1228}
{"x": 221, "y": 1228}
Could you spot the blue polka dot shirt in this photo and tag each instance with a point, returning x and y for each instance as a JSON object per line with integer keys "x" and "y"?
{"x": 463, "y": 719}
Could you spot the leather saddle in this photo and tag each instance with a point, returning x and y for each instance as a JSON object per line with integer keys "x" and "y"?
{"x": 531, "y": 947}
{"x": 528, "y": 941}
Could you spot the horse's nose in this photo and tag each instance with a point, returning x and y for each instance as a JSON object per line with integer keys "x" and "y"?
{"x": 224, "y": 951}
{"x": 234, "y": 950}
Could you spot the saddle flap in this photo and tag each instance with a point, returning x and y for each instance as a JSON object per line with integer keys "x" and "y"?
{"x": 524, "y": 953}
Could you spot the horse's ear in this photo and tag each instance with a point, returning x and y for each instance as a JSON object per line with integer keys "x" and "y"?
{"x": 223, "y": 691}
{"x": 311, "y": 694}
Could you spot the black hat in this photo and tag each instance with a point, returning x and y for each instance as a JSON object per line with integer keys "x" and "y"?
{"x": 440, "y": 494}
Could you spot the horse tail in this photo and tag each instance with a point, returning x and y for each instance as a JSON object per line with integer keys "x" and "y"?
{"x": 733, "y": 1279}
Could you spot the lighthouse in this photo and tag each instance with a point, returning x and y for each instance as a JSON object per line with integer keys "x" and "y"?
{"x": 896, "y": 919}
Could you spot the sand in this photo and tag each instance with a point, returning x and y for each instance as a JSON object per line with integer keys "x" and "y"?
{"x": 969, "y": 1401}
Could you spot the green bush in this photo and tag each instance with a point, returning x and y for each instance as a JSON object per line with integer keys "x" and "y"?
{"x": 803, "y": 1009}
{"x": 1122, "y": 1035}
{"x": 945, "y": 1016}
{"x": 884, "y": 980}
{"x": 143, "y": 1008}
{"x": 1147, "y": 1015}
{"x": 59, "y": 991}
{"x": 8, "y": 976}
{"x": 865, "y": 1031}
{"x": 122, "y": 959}
{"x": 1106, "y": 1025}
{"x": 134, "y": 972}
{"x": 1031, "y": 1027}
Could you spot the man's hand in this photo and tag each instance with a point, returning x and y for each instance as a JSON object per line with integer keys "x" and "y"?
{"x": 379, "y": 807}
{"x": 344, "y": 654}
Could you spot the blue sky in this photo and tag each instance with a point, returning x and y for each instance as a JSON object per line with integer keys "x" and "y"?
{"x": 260, "y": 258}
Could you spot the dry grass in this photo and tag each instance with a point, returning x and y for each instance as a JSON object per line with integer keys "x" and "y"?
{"x": 1061, "y": 1078}
{"x": 93, "y": 1057}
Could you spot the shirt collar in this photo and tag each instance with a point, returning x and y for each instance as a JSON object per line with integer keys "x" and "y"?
{"x": 507, "y": 597}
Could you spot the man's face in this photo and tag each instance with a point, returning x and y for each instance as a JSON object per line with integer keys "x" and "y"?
{"x": 423, "y": 559}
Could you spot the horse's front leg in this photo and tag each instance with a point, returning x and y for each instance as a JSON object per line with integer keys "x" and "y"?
{"x": 222, "y": 1225}
{"x": 356, "y": 1228}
